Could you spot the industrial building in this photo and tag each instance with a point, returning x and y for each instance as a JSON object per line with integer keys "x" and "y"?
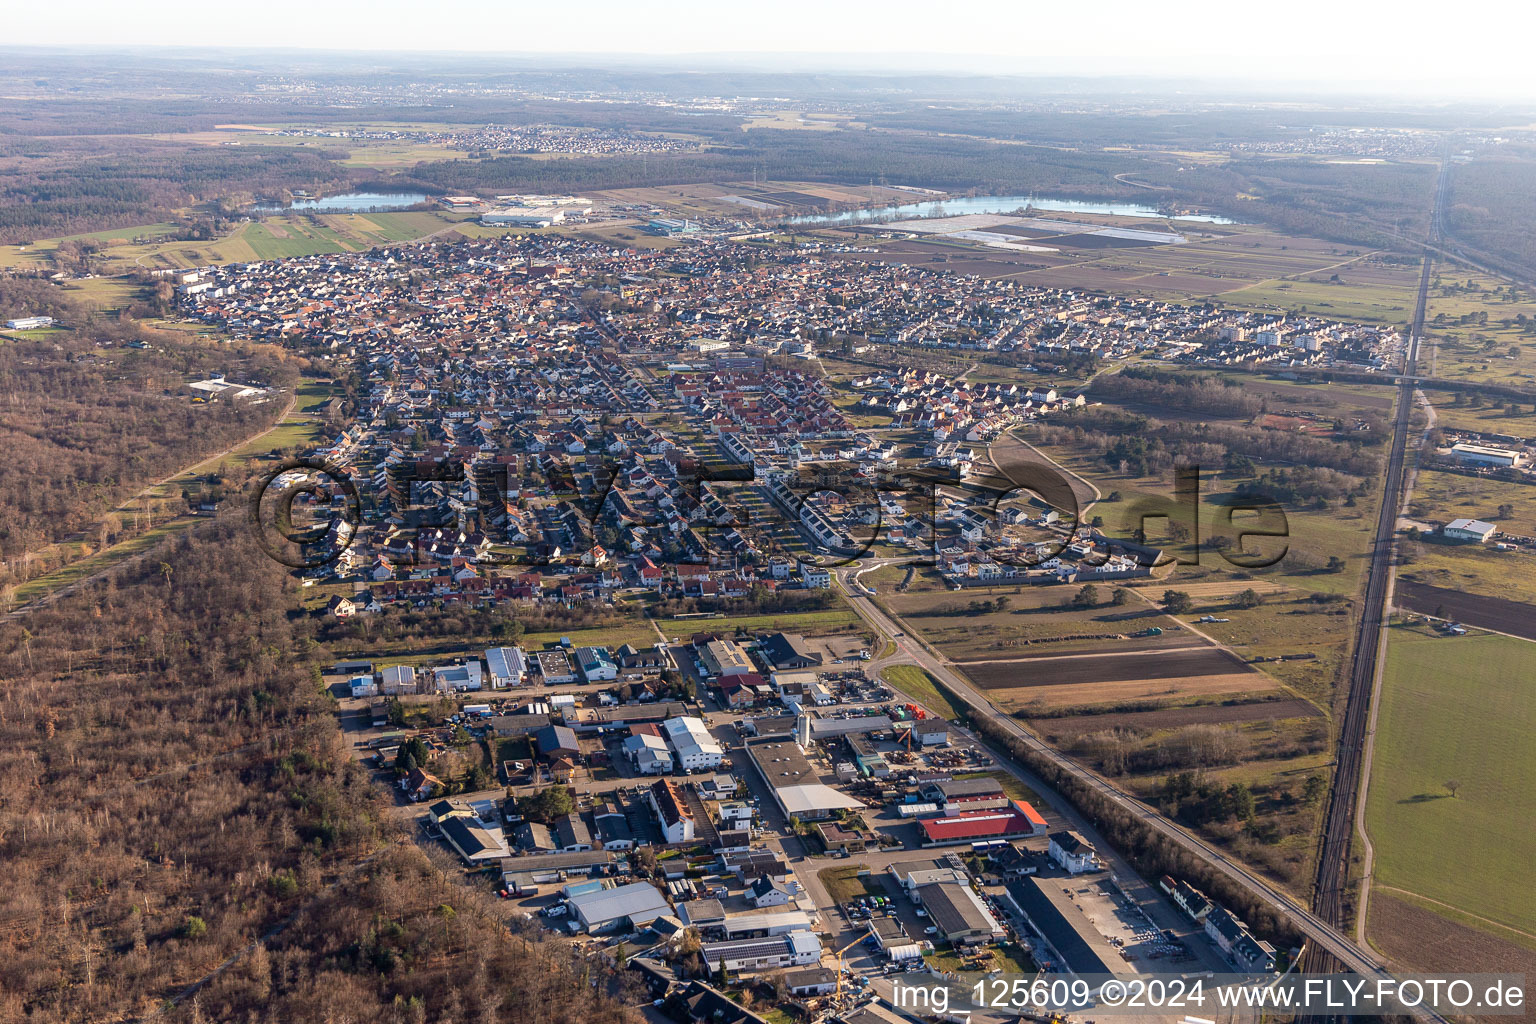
{"x": 956, "y": 795}
{"x": 596, "y": 664}
{"x": 958, "y": 913}
{"x": 1068, "y": 941}
{"x": 792, "y": 949}
{"x": 691, "y": 742}
{"x": 1485, "y": 455}
{"x": 508, "y": 666}
{"x": 624, "y": 907}
{"x": 893, "y": 940}
{"x": 1469, "y": 529}
{"x": 1016, "y": 821}
{"x": 555, "y": 667}
{"x": 526, "y": 875}
{"x": 750, "y": 926}
{"x": 794, "y": 782}
{"x": 671, "y": 228}
{"x": 789, "y": 651}
{"x": 648, "y": 753}
{"x": 591, "y": 720}
{"x": 459, "y": 678}
{"x": 523, "y": 216}
{"x": 396, "y": 680}
{"x": 724, "y": 658}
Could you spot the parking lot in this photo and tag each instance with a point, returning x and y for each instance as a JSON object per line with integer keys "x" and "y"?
{"x": 1126, "y": 928}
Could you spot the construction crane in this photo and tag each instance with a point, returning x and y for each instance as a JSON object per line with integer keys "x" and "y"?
{"x": 840, "y": 953}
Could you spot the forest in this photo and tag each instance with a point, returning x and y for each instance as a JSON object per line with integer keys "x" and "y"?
{"x": 176, "y": 788}
{"x": 143, "y": 182}
{"x": 1493, "y": 207}
{"x": 851, "y": 157}
{"x": 87, "y": 418}
{"x": 1143, "y": 445}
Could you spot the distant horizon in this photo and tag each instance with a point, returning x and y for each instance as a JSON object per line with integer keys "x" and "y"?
{"x": 894, "y": 65}
{"x": 1316, "y": 47}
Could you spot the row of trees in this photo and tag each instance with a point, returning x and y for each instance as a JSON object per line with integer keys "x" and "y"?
{"x": 1150, "y": 852}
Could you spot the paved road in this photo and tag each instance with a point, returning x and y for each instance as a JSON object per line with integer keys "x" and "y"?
{"x": 1319, "y": 932}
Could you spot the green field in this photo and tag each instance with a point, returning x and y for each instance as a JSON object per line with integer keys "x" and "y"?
{"x": 1474, "y": 322}
{"x": 1389, "y": 302}
{"x": 832, "y": 620}
{"x": 125, "y": 249}
{"x": 916, "y": 683}
{"x": 843, "y": 883}
{"x": 1457, "y": 709}
{"x": 1474, "y": 569}
{"x": 1489, "y": 418}
{"x": 1445, "y": 496}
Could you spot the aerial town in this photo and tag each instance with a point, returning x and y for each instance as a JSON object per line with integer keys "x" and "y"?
{"x": 492, "y": 435}
{"x": 645, "y": 514}
{"x": 736, "y": 810}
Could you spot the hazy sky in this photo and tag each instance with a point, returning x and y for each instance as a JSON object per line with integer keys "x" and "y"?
{"x": 1477, "y": 46}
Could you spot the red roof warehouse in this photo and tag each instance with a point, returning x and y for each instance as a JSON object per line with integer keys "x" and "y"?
{"x": 1019, "y": 819}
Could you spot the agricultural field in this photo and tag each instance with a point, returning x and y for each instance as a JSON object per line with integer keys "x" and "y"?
{"x": 1453, "y": 759}
{"x": 1302, "y": 639}
{"x": 127, "y": 249}
{"x": 799, "y": 120}
{"x": 1241, "y": 267}
{"x": 1223, "y": 713}
{"x": 1471, "y": 569}
{"x": 1029, "y": 652}
{"x": 1016, "y": 621}
{"x": 1420, "y": 935}
{"x": 1085, "y": 679}
{"x": 1498, "y": 614}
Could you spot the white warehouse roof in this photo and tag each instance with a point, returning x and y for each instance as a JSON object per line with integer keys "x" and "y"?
{"x": 815, "y": 796}
{"x": 638, "y": 901}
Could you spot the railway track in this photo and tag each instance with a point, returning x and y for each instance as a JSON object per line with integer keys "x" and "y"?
{"x": 1332, "y": 884}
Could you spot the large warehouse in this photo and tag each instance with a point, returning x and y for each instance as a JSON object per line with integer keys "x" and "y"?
{"x": 626, "y": 907}
{"x": 1017, "y": 820}
{"x": 794, "y": 782}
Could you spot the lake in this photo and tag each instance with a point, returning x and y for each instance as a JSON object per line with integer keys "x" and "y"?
{"x": 1003, "y": 204}
{"x": 348, "y": 202}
